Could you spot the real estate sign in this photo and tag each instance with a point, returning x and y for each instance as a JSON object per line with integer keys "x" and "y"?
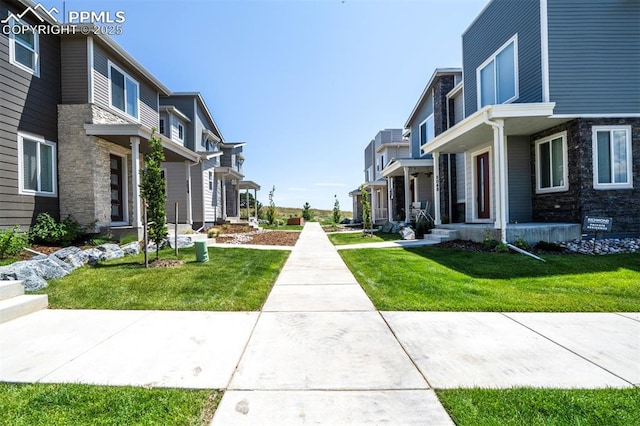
{"x": 597, "y": 223}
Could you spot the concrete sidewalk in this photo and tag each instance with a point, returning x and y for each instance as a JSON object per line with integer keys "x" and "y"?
{"x": 320, "y": 353}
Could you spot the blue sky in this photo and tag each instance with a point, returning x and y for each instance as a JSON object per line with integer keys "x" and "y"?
{"x": 307, "y": 84}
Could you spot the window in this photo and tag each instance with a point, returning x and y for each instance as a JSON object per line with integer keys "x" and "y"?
{"x": 37, "y": 166}
{"x": 498, "y": 76}
{"x": 210, "y": 181}
{"x": 124, "y": 91}
{"x": 162, "y": 126}
{"x": 180, "y": 132}
{"x": 612, "y": 157}
{"x": 24, "y": 49}
{"x": 427, "y": 131}
{"x": 551, "y": 164}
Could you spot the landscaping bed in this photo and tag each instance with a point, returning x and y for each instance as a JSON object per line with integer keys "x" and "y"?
{"x": 260, "y": 237}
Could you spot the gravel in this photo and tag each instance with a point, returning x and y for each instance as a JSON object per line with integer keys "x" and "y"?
{"x": 604, "y": 246}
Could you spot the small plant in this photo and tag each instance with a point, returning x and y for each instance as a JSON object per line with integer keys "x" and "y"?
{"x": 100, "y": 240}
{"x": 48, "y": 231}
{"x": 520, "y": 243}
{"x": 306, "y": 211}
{"x": 366, "y": 209}
{"x": 336, "y": 210}
{"x": 213, "y": 233}
{"x": 152, "y": 189}
{"x": 501, "y": 247}
{"x": 271, "y": 210}
{"x": 422, "y": 227}
{"x": 12, "y": 241}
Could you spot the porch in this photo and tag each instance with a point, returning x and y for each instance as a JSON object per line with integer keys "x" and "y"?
{"x": 410, "y": 188}
{"x": 531, "y": 233}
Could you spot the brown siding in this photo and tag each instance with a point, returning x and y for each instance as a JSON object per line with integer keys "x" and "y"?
{"x": 74, "y": 71}
{"x": 27, "y": 104}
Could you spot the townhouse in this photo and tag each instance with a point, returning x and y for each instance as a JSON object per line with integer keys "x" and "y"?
{"x": 78, "y": 118}
{"x": 551, "y": 128}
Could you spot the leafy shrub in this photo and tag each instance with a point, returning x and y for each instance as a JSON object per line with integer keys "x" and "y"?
{"x": 213, "y": 232}
{"x": 12, "y": 241}
{"x": 48, "y": 231}
{"x": 306, "y": 212}
{"x": 501, "y": 248}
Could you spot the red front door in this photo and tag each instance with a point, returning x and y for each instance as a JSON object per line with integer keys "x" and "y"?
{"x": 482, "y": 186}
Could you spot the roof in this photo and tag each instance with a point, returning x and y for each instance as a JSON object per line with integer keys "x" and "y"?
{"x": 172, "y": 109}
{"x": 204, "y": 107}
{"x": 437, "y": 73}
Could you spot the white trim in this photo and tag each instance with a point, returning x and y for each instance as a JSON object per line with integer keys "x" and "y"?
{"x": 126, "y": 76}
{"x": 90, "y": 62}
{"x": 179, "y": 126}
{"x": 420, "y": 144}
{"x": 35, "y": 51}
{"x": 620, "y": 115}
{"x": 474, "y": 185}
{"x": 544, "y": 50}
{"x": 54, "y": 165}
{"x": 492, "y": 58}
{"x": 565, "y": 164}
{"x": 629, "y": 153}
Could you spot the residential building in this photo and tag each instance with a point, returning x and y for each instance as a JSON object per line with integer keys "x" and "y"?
{"x": 551, "y": 128}
{"x": 410, "y": 176}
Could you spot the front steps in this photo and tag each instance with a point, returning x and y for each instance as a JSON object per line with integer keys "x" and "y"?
{"x": 14, "y": 304}
{"x": 441, "y": 235}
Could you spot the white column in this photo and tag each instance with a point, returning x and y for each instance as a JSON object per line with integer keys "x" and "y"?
{"x": 374, "y": 205}
{"x": 237, "y": 192}
{"x": 189, "y": 206}
{"x": 224, "y": 198}
{"x": 407, "y": 196}
{"x": 497, "y": 178}
{"x": 255, "y": 205}
{"x": 389, "y": 189}
{"x": 502, "y": 193}
{"x": 436, "y": 188}
{"x": 136, "y": 219}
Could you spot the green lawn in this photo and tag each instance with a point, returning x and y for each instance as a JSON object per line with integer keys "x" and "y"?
{"x": 343, "y": 238}
{"x": 440, "y": 279}
{"x": 477, "y": 407}
{"x": 234, "y": 279}
{"x": 283, "y": 227}
{"x": 72, "y": 404}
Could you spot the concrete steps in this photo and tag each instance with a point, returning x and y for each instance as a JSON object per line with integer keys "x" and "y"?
{"x": 440, "y": 235}
{"x": 15, "y": 304}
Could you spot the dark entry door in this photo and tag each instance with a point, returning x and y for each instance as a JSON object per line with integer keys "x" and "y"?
{"x": 117, "y": 212}
{"x": 482, "y": 186}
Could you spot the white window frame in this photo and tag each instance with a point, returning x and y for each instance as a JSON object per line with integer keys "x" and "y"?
{"x": 210, "y": 179}
{"x": 565, "y": 164}
{"x": 12, "y": 49}
{"x": 111, "y": 65}
{"x": 491, "y": 59}
{"x": 162, "y": 126}
{"x": 180, "y": 131}
{"x": 622, "y": 185}
{"x": 426, "y": 128}
{"x": 54, "y": 166}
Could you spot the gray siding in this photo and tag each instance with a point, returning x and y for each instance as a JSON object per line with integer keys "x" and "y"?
{"x": 176, "y": 178}
{"x": 185, "y": 104}
{"x": 148, "y": 108}
{"x": 458, "y": 108}
{"x": 27, "y": 104}
{"x": 594, "y": 56}
{"x": 499, "y": 22}
{"x": 519, "y": 169}
{"x": 424, "y": 111}
{"x": 75, "y": 82}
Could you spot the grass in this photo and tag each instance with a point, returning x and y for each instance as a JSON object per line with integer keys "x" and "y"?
{"x": 477, "y": 407}
{"x": 343, "y": 238}
{"x": 317, "y": 215}
{"x": 283, "y": 227}
{"x": 234, "y": 279}
{"x": 440, "y": 279}
{"x": 73, "y": 404}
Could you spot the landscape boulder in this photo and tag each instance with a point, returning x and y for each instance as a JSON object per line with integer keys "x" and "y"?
{"x": 72, "y": 256}
{"x": 34, "y": 273}
{"x": 131, "y": 248}
{"x": 103, "y": 252}
{"x": 408, "y": 234}
{"x": 184, "y": 241}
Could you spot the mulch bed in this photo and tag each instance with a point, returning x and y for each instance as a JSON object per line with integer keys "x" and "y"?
{"x": 481, "y": 247}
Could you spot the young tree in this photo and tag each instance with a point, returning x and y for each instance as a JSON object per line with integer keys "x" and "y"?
{"x": 251, "y": 202}
{"x": 306, "y": 211}
{"x": 366, "y": 209}
{"x": 336, "y": 210}
{"x": 152, "y": 187}
{"x": 271, "y": 210}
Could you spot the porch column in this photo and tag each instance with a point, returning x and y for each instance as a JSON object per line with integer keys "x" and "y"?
{"x": 246, "y": 198}
{"x": 189, "y": 206}
{"x": 500, "y": 186}
{"x": 237, "y": 192}
{"x": 224, "y": 198}
{"x": 136, "y": 220}
{"x": 407, "y": 195}
{"x": 374, "y": 206}
{"x": 436, "y": 189}
{"x": 389, "y": 189}
{"x": 255, "y": 203}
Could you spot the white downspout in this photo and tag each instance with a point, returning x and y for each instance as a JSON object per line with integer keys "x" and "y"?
{"x": 436, "y": 189}
{"x": 500, "y": 175}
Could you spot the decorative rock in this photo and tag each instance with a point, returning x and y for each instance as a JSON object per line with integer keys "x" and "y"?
{"x": 604, "y": 246}
{"x": 131, "y": 248}
{"x": 408, "y": 234}
{"x": 103, "y": 252}
{"x": 34, "y": 273}
{"x": 64, "y": 265}
{"x": 183, "y": 241}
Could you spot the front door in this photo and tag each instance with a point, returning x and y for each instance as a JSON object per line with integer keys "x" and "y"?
{"x": 482, "y": 186}
{"x": 117, "y": 211}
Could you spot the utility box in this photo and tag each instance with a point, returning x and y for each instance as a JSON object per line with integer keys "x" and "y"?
{"x": 202, "y": 254}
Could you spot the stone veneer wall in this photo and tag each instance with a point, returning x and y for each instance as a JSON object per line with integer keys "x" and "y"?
{"x": 623, "y": 205}
{"x": 84, "y": 167}
{"x": 443, "y": 86}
